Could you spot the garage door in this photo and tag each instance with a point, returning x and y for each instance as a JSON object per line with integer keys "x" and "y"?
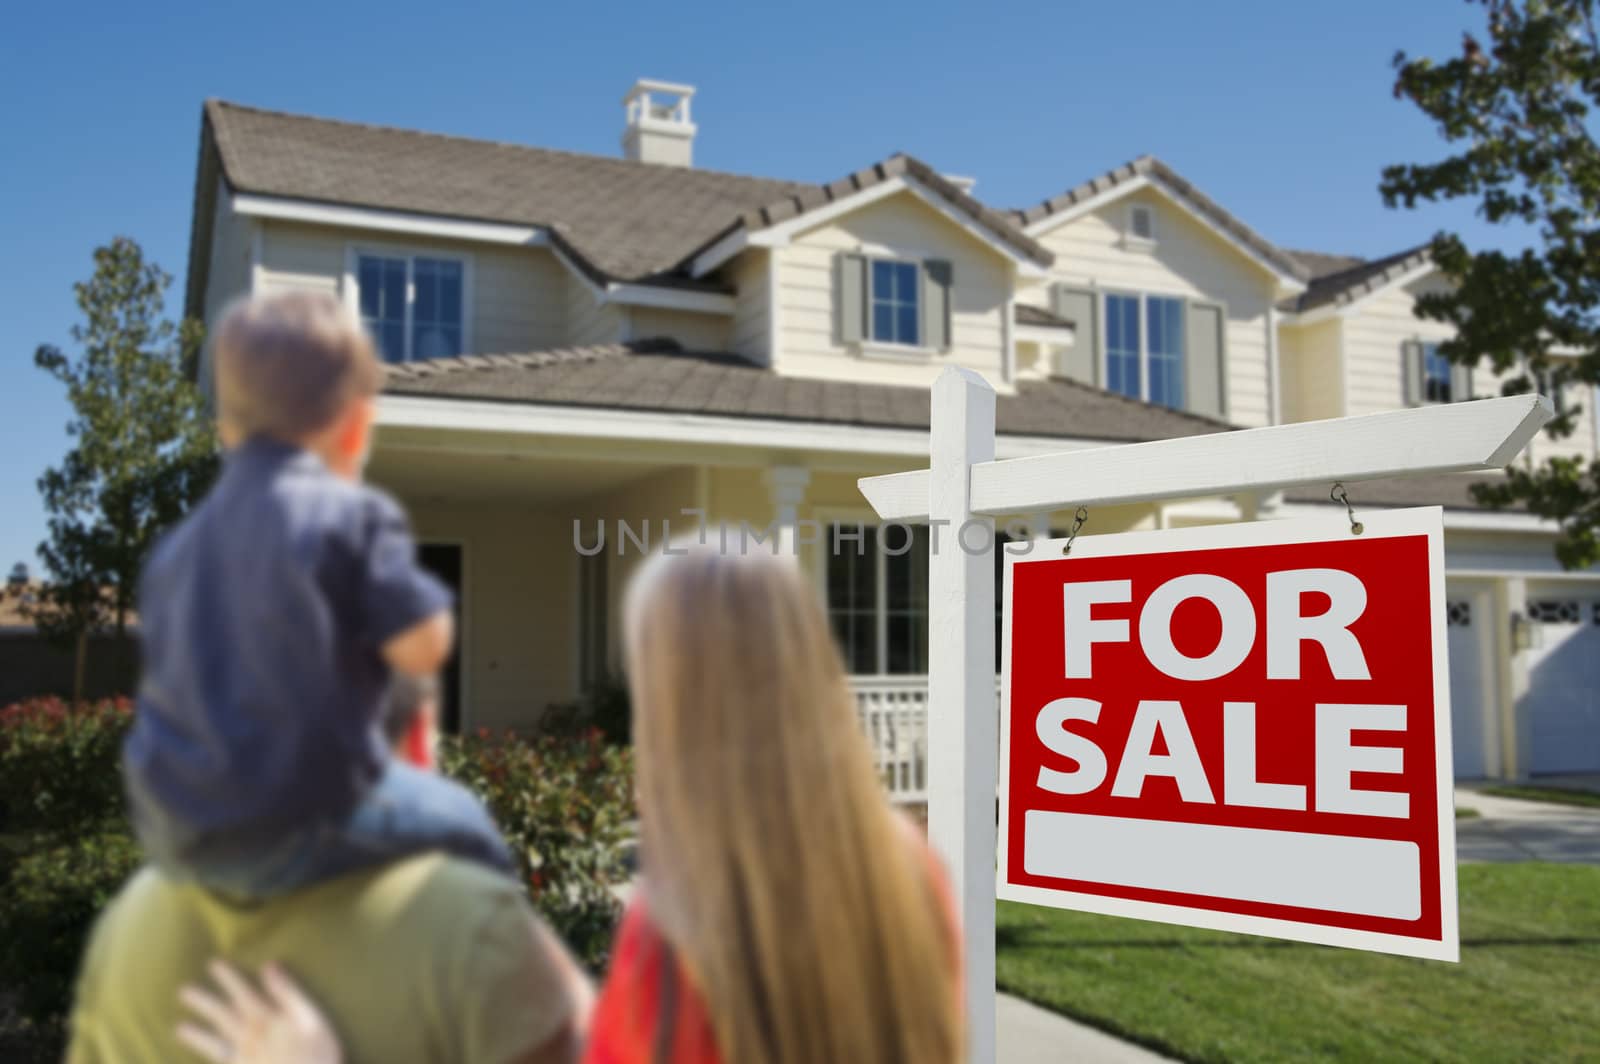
{"x": 1465, "y": 627}
{"x": 1564, "y": 684}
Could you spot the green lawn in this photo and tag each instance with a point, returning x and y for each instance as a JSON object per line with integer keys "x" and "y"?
{"x": 1559, "y": 795}
{"x": 1527, "y": 987}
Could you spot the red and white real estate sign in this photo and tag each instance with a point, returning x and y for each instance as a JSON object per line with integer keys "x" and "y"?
{"x": 1243, "y": 727}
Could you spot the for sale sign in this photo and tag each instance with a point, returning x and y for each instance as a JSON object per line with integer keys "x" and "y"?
{"x": 1243, "y": 727}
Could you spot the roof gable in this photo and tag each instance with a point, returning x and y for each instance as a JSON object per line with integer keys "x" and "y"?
{"x": 1343, "y": 280}
{"x": 1149, "y": 172}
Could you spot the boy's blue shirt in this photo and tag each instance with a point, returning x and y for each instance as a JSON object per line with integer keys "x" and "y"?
{"x": 262, "y": 616}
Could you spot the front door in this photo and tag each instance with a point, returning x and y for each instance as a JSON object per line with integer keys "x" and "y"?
{"x": 444, "y": 561}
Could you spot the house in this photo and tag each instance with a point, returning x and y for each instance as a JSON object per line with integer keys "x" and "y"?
{"x": 582, "y": 342}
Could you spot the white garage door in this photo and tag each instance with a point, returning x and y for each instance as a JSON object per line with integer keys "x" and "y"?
{"x": 1466, "y": 620}
{"x": 1564, "y": 684}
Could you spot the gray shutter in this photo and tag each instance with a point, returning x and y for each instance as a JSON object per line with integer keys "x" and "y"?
{"x": 1460, "y": 383}
{"x": 1205, "y": 365}
{"x": 1081, "y": 306}
{"x": 850, "y": 297}
{"x": 1411, "y": 372}
{"x": 937, "y": 277}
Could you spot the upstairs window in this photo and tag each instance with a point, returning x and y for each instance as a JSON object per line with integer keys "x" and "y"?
{"x": 414, "y": 305}
{"x": 1141, "y": 224}
{"x": 896, "y": 302}
{"x": 1145, "y": 348}
{"x": 1436, "y": 376}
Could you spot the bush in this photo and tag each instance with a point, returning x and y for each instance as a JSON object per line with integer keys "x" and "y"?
{"x": 60, "y": 766}
{"x": 51, "y": 900}
{"x": 565, "y": 806}
{"x": 607, "y": 707}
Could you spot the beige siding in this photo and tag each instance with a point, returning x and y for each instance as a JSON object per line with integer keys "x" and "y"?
{"x": 517, "y": 632}
{"x": 1187, "y": 260}
{"x": 228, "y": 272}
{"x": 1373, "y": 334}
{"x": 904, "y": 227}
{"x": 752, "y": 314}
{"x": 516, "y": 293}
{"x": 695, "y": 331}
{"x": 1312, "y": 372}
{"x": 589, "y": 321}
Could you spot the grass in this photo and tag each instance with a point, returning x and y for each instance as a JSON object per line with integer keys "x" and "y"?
{"x": 1558, "y": 795}
{"x": 1525, "y": 988}
{"x": 1466, "y": 813}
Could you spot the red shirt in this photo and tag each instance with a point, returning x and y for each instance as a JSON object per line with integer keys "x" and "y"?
{"x": 638, "y": 992}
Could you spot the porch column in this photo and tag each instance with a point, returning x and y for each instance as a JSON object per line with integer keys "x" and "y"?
{"x": 787, "y": 487}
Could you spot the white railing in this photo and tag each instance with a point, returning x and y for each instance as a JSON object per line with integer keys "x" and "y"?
{"x": 893, "y": 711}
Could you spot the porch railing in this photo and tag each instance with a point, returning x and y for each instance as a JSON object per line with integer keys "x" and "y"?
{"x": 893, "y": 711}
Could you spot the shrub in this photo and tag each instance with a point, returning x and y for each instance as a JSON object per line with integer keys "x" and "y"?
{"x": 60, "y": 764}
{"x": 565, "y": 806}
{"x": 607, "y": 706}
{"x": 51, "y": 900}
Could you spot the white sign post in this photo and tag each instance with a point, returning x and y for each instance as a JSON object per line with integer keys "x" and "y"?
{"x": 966, "y": 488}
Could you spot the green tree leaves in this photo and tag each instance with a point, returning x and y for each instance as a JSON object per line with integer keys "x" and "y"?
{"x": 143, "y": 444}
{"x": 1519, "y": 113}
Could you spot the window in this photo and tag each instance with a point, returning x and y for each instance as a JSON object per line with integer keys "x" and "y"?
{"x": 878, "y": 599}
{"x": 412, "y": 304}
{"x": 1436, "y": 375}
{"x": 1554, "y": 611}
{"x": 1145, "y": 362}
{"x": 895, "y": 301}
{"x": 1123, "y": 345}
{"x": 594, "y": 630}
{"x": 1142, "y": 223}
{"x": 1165, "y": 317}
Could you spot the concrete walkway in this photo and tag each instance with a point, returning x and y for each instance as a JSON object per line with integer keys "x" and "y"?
{"x": 1513, "y": 829}
{"x": 1028, "y": 1034}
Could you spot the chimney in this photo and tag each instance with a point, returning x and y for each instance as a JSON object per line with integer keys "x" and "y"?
{"x": 658, "y": 129}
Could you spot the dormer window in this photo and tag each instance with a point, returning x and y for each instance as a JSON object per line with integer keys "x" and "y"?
{"x": 414, "y": 305}
{"x": 1141, "y": 229}
{"x": 896, "y": 303}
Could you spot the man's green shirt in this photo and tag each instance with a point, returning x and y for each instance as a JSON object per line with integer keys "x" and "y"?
{"x": 429, "y": 959}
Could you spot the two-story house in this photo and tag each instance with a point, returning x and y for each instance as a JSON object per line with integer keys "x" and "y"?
{"x": 582, "y": 343}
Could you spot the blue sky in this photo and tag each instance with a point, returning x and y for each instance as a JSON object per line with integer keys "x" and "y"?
{"x": 1281, "y": 112}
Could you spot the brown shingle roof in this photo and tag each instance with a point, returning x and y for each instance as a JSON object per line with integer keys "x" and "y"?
{"x": 1150, "y": 166}
{"x": 618, "y": 219}
{"x": 657, "y": 375}
{"x": 1341, "y": 279}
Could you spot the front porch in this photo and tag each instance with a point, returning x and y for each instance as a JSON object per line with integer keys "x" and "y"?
{"x": 540, "y": 536}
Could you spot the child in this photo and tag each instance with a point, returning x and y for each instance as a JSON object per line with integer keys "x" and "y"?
{"x": 271, "y": 619}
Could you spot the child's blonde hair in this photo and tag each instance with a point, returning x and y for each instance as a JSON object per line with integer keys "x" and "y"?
{"x": 287, "y": 364}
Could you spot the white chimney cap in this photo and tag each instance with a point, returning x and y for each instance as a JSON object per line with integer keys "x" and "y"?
{"x": 647, "y": 85}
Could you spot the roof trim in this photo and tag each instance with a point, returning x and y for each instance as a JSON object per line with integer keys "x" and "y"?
{"x": 1147, "y": 171}
{"x": 776, "y": 223}
{"x": 1339, "y": 293}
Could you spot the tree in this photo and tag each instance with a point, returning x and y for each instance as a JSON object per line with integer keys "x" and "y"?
{"x": 19, "y": 576}
{"x": 1519, "y": 114}
{"x": 143, "y": 447}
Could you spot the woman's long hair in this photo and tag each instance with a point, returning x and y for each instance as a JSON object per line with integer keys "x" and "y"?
{"x": 773, "y": 863}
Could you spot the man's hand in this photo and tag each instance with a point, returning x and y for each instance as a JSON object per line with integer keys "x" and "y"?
{"x": 422, "y": 649}
{"x": 242, "y": 1026}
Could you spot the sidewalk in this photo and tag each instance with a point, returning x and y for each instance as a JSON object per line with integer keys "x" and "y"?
{"x": 1030, "y": 1035}
{"x": 1514, "y": 829}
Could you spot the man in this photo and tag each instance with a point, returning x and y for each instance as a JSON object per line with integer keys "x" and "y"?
{"x": 428, "y": 959}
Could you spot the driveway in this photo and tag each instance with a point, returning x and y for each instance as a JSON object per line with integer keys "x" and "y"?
{"x": 1512, "y": 829}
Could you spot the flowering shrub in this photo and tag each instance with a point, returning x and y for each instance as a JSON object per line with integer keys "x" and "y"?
{"x": 565, "y": 806}
{"x": 59, "y": 764}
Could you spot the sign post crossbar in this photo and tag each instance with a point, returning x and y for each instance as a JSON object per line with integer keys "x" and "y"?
{"x": 965, "y": 488}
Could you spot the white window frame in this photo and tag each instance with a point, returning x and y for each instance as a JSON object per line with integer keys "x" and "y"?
{"x": 351, "y": 291}
{"x": 1130, "y": 233}
{"x": 826, "y": 518}
{"x": 870, "y": 344}
{"x": 1144, "y": 337}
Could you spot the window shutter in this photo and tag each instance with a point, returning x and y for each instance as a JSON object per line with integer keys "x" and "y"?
{"x": 1081, "y": 306}
{"x": 1411, "y": 372}
{"x": 1205, "y": 372}
{"x": 850, "y": 297}
{"x": 937, "y": 278}
{"x": 1460, "y": 383}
